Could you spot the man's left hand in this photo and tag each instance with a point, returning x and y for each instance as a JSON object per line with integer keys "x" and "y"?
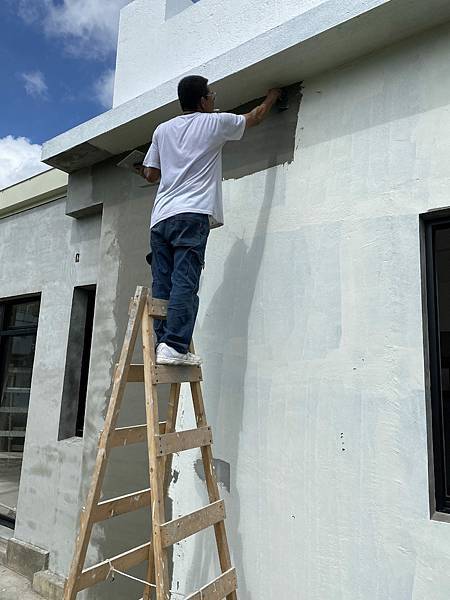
{"x": 139, "y": 169}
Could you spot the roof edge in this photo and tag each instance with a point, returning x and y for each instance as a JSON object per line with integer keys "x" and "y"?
{"x": 34, "y": 191}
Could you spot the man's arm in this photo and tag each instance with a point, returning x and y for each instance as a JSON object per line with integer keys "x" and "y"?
{"x": 151, "y": 174}
{"x": 258, "y": 114}
{"x": 150, "y": 169}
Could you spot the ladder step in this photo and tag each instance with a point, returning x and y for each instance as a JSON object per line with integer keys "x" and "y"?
{"x": 158, "y": 308}
{"x": 169, "y": 374}
{"x": 123, "y": 436}
{"x": 217, "y": 589}
{"x": 182, "y": 528}
{"x": 121, "y": 505}
{"x": 122, "y": 562}
{"x": 166, "y": 374}
{"x": 170, "y": 443}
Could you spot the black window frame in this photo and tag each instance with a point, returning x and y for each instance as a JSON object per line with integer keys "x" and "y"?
{"x": 86, "y": 358}
{"x": 76, "y": 373}
{"x": 6, "y": 305}
{"x": 440, "y": 500}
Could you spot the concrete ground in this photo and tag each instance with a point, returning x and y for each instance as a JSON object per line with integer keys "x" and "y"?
{"x": 14, "y": 586}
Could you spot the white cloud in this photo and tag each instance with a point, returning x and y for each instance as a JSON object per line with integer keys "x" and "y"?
{"x": 88, "y": 27}
{"x": 19, "y": 159}
{"x": 104, "y": 87}
{"x": 35, "y": 84}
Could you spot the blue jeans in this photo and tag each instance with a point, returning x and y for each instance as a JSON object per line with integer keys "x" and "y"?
{"x": 177, "y": 257}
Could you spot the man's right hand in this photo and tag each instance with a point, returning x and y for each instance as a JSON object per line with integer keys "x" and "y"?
{"x": 274, "y": 94}
{"x": 258, "y": 114}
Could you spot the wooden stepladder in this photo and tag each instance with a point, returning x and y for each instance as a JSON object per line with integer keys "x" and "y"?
{"x": 163, "y": 441}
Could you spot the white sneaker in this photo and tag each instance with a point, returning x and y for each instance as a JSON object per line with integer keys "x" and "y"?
{"x": 166, "y": 355}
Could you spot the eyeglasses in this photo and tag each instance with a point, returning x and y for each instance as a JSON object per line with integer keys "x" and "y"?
{"x": 213, "y": 95}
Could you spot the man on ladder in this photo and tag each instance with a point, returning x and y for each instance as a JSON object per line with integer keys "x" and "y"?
{"x": 186, "y": 157}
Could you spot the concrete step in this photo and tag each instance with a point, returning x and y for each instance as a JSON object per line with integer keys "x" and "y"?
{"x": 49, "y": 585}
{"x": 3, "y": 546}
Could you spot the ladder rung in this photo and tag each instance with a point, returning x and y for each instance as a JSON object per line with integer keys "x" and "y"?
{"x": 100, "y": 572}
{"x": 166, "y": 374}
{"x": 124, "y": 436}
{"x": 169, "y": 374}
{"x": 182, "y": 528}
{"x": 217, "y": 589}
{"x": 158, "y": 308}
{"x": 178, "y": 441}
{"x": 119, "y": 506}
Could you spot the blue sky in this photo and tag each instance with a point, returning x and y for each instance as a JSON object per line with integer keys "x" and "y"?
{"x": 66, "y": 99}
{"x": 57, "y": 59}
{"x": 57, "y": 62}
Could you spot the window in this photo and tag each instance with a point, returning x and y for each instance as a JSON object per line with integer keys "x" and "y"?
{"x": 18, "y": 328}
{"x": 437, "y": 239}
{"x": 78, "y": 355}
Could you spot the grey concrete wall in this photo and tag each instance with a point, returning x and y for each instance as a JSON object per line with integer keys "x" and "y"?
{"x": 311, "y": 327}
{"x": 37, "y": 254}
{"x": 122, "y": 266}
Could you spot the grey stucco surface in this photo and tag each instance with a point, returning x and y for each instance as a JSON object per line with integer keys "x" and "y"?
{"x": 312, "y": 328}
{"x": 111, "y": 247}
{"x": 122, "y": 266}
{"x": 37, "y": 255}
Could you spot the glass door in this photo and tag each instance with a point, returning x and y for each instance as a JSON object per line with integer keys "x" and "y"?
{"x": 18, "y": 328}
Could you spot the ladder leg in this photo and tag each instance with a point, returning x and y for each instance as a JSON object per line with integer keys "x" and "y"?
{"x": 155, "y": 463}
{"x": 149, "y": 593}
{"x": 172, "y": 413}
{"x": 170, "y": 427}
{"x": 211, "y": 482}
{"x": 120, "y": 380}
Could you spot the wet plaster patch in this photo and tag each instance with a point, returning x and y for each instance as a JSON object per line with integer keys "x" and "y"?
{"x": 271, "y": 143}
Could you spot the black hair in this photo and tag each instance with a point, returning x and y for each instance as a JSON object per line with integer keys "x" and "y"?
{"x": 191, "y": 90}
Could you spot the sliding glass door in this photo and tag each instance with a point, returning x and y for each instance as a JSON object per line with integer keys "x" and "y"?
{"x": 18, "y": 327}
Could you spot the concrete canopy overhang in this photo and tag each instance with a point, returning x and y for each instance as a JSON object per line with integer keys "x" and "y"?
{"x": 326, "y": 36}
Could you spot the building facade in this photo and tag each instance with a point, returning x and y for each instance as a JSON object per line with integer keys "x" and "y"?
{"x": 323, "y": 313}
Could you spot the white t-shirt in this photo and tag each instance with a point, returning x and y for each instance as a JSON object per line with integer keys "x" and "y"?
{"x": 188, "y": 150}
